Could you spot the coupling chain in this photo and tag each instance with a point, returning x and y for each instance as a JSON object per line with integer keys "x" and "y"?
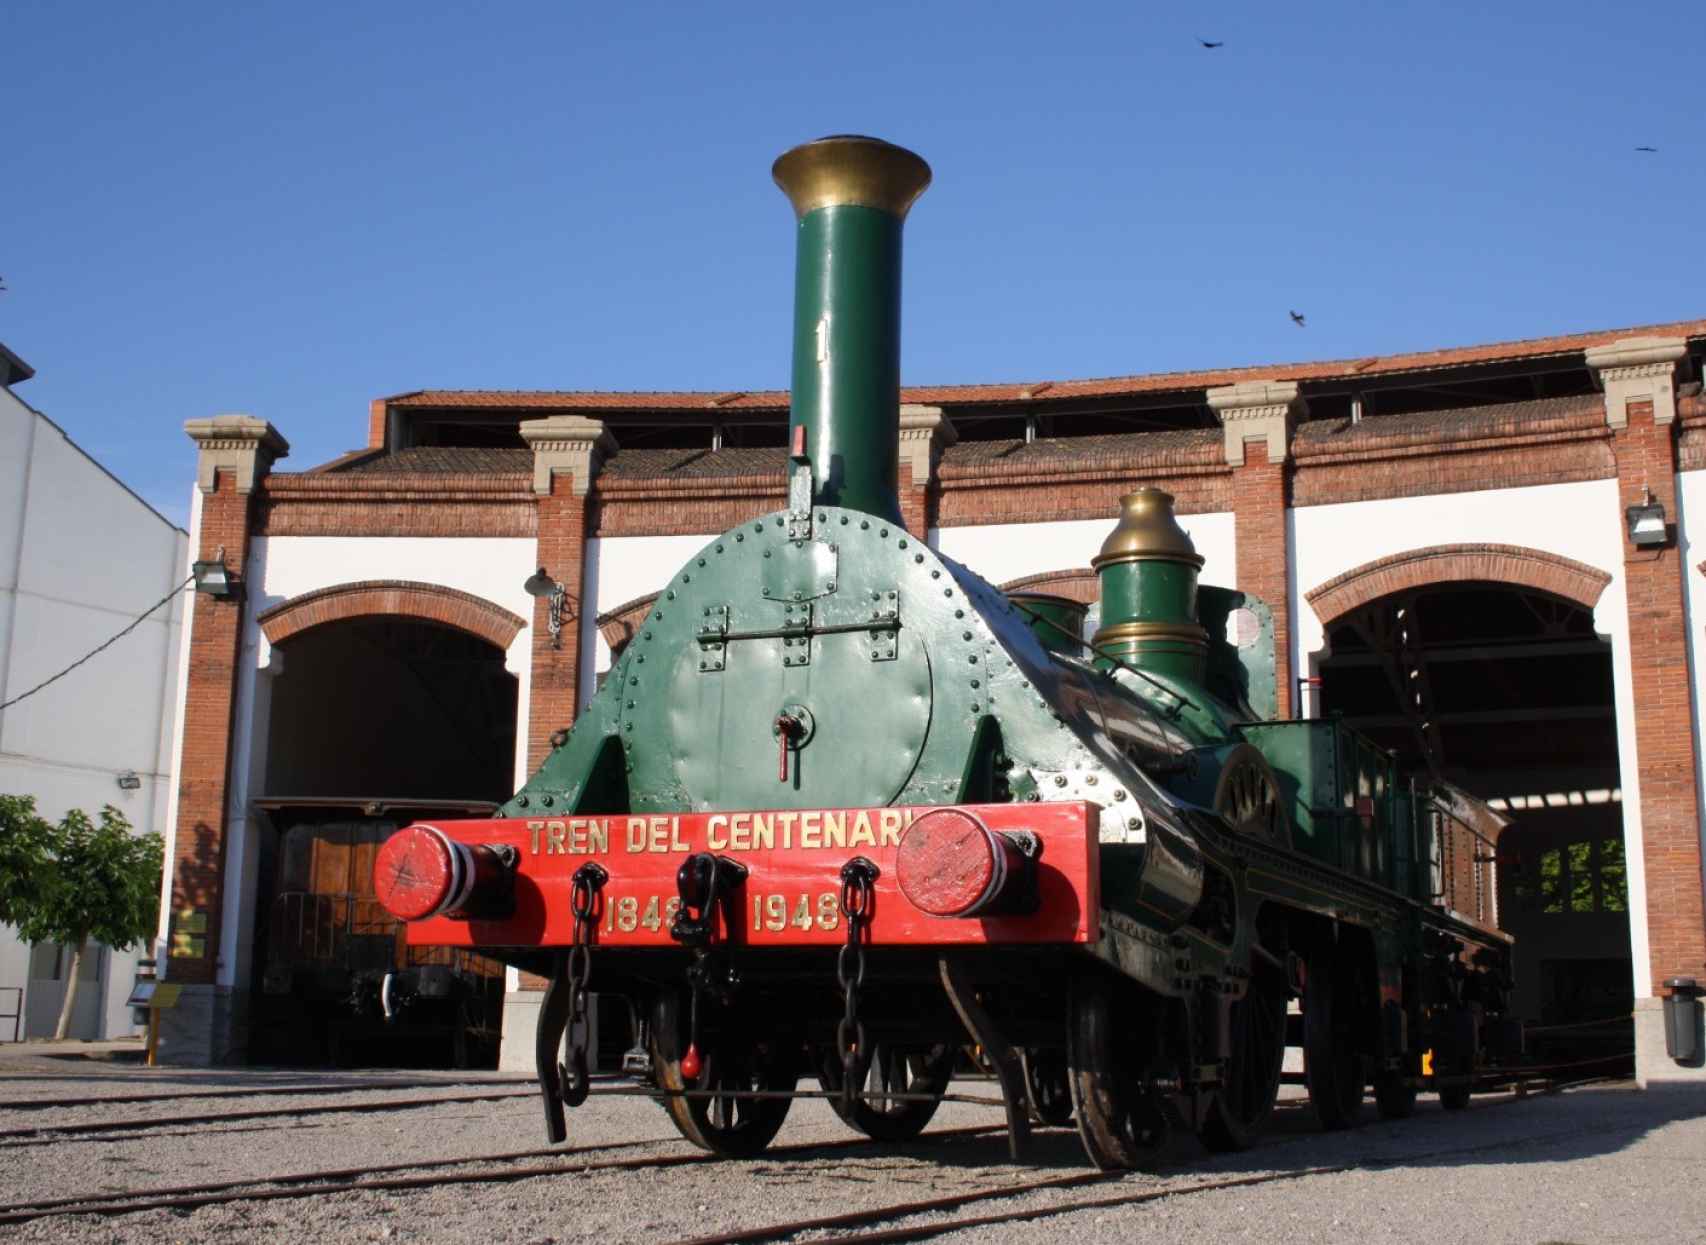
{"x": 857, "y": 900}
{"x": 589, "y": 880}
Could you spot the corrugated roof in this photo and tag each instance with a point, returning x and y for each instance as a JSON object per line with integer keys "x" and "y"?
{"x": 1049, "y": 390}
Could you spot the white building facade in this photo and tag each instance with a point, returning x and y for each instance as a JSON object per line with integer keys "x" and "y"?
{"x": 81, "y": 556}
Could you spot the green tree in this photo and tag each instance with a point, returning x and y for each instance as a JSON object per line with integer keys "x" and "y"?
{"x": 25, "y": 856}
{"x": 84, "y": 880}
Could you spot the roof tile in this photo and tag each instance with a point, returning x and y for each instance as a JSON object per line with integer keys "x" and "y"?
{"x": 1049, "y": 390}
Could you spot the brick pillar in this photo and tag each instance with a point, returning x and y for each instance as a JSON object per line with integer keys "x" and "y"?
{"x": 378, "y": 416}
{"x": 1263, "y": 411}
{"x": 1640, "y": 407}
{"x": 567, "y": 452}
{"x": 235, "y": 451}
{"x": 924, "y": 433}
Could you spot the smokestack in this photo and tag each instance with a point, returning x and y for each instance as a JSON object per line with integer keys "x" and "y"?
{"x": 851, "y": 196}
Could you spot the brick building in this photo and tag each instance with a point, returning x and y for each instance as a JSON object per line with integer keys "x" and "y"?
{"x": 1442, "y": 538}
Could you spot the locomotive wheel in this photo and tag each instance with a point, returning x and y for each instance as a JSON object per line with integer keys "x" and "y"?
{"x": 1454, "y": 1097}
{"x": 1332, "y": 1068}
{"x": 892, "y": 1070}
{"x": 1246, "y": 1099}
{"x": 727, "y": 1125}
{"x": 1395, "y": 1095}
{"x": 1247, "y": 795}
{"x": 1119, "y": 1122}
{"x": 1048, "y": 1087}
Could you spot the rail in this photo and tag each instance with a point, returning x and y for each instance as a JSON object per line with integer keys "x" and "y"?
{"x": 16, "y": 1015}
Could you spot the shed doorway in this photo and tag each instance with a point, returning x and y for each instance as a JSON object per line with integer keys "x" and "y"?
{"x": 1507, "y": 692}
{"x": 373, "y": 722}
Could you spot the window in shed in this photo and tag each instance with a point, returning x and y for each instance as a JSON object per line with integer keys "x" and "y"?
{"x": 1585, "y": 876}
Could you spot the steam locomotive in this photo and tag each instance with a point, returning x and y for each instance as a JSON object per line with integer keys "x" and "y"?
{"x": 842, "y": 808}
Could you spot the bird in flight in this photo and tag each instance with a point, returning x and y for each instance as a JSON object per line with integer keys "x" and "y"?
{"x": 1296, "y": 318}
{"x": 1646, "y": 149}
{"x": 1207, "y": 43}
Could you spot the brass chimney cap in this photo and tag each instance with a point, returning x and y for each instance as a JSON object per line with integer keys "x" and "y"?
{"x": 1147, "y": 531}
{"x": 851, "y": 169}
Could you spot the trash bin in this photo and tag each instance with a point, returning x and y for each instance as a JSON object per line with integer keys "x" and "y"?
{"x": 1681, "y": 1035}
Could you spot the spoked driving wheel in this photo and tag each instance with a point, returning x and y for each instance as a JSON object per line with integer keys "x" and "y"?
{"x": 889, "y": 1106}
{"x": 1332, "y": 1067}
{"x": 1119, "y": 1121}
{"x": 1251, "y": 1081}
{"x": 1047, "y": 1086}
{"x": 723, "y": 1122}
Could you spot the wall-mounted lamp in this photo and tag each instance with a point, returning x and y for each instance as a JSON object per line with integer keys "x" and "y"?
{"x": 128, "y": 781}
{"x": 214, "y": 578}
{"x": 1646, "y": 522}
{"x": 556, "y": 597}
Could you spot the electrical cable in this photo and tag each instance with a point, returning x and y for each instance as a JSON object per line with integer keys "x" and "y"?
{"x": 137, "y": 622}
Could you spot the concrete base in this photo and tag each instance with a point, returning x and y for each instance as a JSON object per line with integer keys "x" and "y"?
{"x": 521, "y": 1018}
{"x": 521, "y": 1021}
{"x": 208, "y": 1025}
{"x": 1653, "y": 1067}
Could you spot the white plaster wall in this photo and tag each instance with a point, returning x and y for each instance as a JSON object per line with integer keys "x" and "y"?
{"x": 175, "y": 765}
{"x": 1005, "y": 551}
{"x": 80, "y": 558}
{"x": 618, "y": 569}
{"x": 1582, "y": 521}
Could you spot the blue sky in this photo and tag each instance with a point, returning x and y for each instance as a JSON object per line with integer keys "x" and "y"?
{"x": 288, "y": 210}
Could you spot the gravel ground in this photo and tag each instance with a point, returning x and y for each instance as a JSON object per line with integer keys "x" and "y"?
{"x": 1593, "y": 1165}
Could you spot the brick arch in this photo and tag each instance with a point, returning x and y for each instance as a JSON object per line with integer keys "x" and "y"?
{"x": 618, "y": 625}
{"x": 427, "y": 602}
{"x": 1080, "y": 584}
{"x": 1440, "y": 564}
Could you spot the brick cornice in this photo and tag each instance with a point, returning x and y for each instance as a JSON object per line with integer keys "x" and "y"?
{"x": 1638, "y": 369}
{"x": 427, "y": 602}
{"x": 569, "y": 445}
{"x": 241, "y": 445}
{"x": 1416, "y": 568}
{"x": 1257, "y": 410}
{"x": 924, "y": 433}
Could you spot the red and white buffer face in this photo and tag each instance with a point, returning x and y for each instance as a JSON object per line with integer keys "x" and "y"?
{"x": 962, "y": 875}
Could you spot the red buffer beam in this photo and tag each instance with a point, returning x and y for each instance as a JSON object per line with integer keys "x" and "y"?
{"x": 436, "y": 876}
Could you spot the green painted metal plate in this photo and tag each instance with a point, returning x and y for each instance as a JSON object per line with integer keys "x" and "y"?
{"x": 801, "y": 570}
{"x": 719, "y": 726}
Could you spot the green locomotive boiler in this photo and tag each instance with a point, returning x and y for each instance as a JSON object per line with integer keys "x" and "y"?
{"x": 843, "y": 809}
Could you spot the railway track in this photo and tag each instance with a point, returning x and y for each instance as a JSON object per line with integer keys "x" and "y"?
{"x": 44, "y": 1133}
{"x": 434, "y": 1173}
{"x": 114, "y": 1100}
{"x": 327, "y": 1183}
